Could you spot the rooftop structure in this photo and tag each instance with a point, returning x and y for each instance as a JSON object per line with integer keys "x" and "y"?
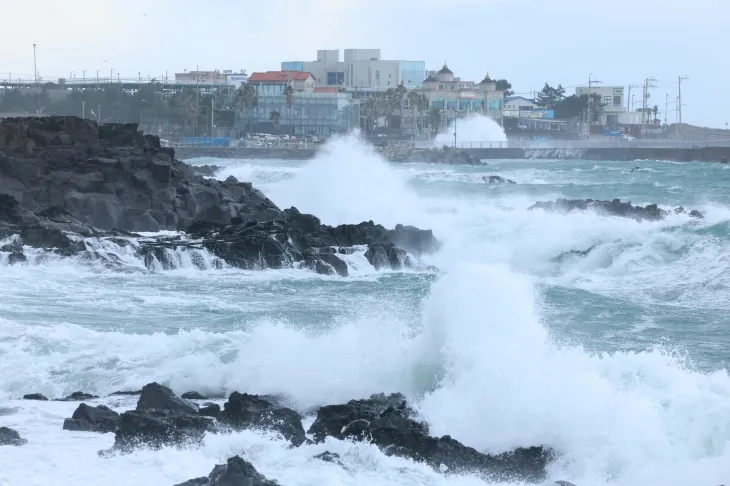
{"x": 448, "y": 92}
{"x": 360, "y": 69}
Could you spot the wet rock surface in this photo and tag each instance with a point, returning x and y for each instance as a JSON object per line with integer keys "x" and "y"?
{"x": 100, "y": 419}
{"x": 388, "y": 422}
{"x": 443, "y": 155}
{"x": 236, "y": 472}
{"x": 615, "y": 207}
{"x": 10, "y": 437}
{"x": 67, "y": 184}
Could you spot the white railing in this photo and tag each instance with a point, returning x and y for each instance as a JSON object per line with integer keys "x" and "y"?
{"x": 578, "y": 144}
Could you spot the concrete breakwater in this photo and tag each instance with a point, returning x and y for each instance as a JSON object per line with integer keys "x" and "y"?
{"x": 397, "y": 154}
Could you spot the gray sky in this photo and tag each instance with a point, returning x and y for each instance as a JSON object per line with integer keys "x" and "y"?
{"x": 528, "y": 42}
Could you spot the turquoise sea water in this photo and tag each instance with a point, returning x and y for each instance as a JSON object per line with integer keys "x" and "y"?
{"x": 606, "y": 338}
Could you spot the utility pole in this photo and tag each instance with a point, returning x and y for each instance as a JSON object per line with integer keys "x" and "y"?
{"x": 589, "y": 113}
{"x": 197, "y": 97}
{"x": 679, "y": 103}
{"x": 648, "y": 83}
{"x": 212, "y": 113}
{"x": 83, "y": 110}
{"x": 35, "y": 67}
{"x": 666, "y": 108}
{"x": 629, "y": 106}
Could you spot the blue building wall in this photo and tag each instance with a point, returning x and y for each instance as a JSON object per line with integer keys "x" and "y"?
{"x": 292, "y": 66}
{"x": 413, "y": 73}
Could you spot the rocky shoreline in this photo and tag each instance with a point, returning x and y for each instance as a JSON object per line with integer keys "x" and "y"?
{"x": 162, "y": 419}
{"x": 651, "y": 212}
{"x": 68, "y": 185}
{"x": 444, "y": 155}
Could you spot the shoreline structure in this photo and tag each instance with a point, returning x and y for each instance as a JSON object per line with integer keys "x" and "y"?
{"x": 409, "y": 154}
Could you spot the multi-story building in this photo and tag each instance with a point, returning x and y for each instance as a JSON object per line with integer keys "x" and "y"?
{"x": 273, "y": 83}
{"x": 202, "y": 77}
{"x": 456, "y": 96}
{"x": 236, "y": 79}
{"x": 311, "y": 110}
{"x": 519, "y": 106}
{"x": 613, "y": 109}
{"x": 361, "y": 69}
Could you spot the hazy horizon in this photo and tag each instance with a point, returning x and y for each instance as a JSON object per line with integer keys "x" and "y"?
{"x": 524, "y": 41}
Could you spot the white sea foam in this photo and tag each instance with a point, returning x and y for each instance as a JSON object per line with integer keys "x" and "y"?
{"x": 475, "y": 352}
{"x": 473, "y": 129}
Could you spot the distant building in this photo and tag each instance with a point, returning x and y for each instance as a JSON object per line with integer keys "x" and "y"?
{"x": 236, "y": 79}
{"x": 202, "y": 77}
{"x": 613, "y": 109}
{"x": 273, "y": 83}
{"x": 517, "y": 106}
{"x": 361, "y": 69}
{"x": 312, "y": 110}
{"x": 450, "y": 93}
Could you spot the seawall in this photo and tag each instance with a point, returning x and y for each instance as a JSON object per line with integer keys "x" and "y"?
{"x": 706, "y": 154}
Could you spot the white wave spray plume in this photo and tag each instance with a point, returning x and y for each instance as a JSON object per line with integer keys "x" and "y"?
{"x": 472, "y": 128}
{"x": 348, "y": 182}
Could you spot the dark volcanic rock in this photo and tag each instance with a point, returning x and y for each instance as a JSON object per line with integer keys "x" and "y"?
{"x": 237, "y": 472}
{"x": 612, "y": 208}
{"x": 35, "y": 396}
{"x": 205, "y": 170}
{"x": 92, "y": 419}
{"x": 388, "y": 422}
{"x": 126, "y": 393}
{"x": 9, "y": 436}
{"x": 77, "y": 397}
{"x": 193, "y": 395}
{"x": 495, "y": 179}
{"x": 155, "y": 429}
{"x": 251, "y": 411}
{"x": 64, "y": 181}
{"x": 157, "y": 397}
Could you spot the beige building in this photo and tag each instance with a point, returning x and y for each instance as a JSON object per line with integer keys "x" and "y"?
{"x": 456, "y": 96}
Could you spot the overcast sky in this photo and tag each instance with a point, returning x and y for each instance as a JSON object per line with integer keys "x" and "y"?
{"x": 528, "y": 42}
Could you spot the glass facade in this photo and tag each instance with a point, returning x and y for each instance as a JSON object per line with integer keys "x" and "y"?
{"x": 292, "y": 66}
{"x": 309, "y": 114}
{"x": 413, "y": 73}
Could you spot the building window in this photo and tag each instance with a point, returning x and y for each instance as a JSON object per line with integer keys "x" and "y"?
{"x": 617, "y": 101}
{"x": 606, "y": 101}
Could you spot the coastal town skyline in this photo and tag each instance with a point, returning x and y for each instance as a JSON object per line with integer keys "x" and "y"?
{"x": 526, "y": 42}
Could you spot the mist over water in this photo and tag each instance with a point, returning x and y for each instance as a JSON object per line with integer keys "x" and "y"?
{"x": 472, "y": 128}
{"x": 602, "y": 337}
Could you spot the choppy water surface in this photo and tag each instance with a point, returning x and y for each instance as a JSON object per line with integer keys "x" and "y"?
{"x": 616, "y": 356}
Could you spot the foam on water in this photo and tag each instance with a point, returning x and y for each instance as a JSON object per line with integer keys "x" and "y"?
{"x": 477, "y": 354}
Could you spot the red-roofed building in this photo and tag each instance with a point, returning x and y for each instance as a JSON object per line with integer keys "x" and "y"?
{"x": 272, "y": 83}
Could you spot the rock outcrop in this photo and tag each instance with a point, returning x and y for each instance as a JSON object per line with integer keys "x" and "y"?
{"x": 613, "y": 208}
{"x": 495, "y": 179}
{"x": 388, "y": 422}
{"x": 236, "y": 472}
{"x": 163, "y": 419}
{"x": 100, "y": 419}
{"x": 11, "y": 437}
{"x": 444, "y": 155}
{"x": 64, "y": 181}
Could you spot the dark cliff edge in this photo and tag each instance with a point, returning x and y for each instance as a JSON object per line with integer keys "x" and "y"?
{"x": 65, "y": 179}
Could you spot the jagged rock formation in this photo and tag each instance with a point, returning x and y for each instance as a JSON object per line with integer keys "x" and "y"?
{"x": 64, "y": 180}
{"x": 613, "y": 208}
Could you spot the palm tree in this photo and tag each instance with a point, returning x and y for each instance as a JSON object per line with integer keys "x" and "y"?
{"x": 275, "y": 117}
{"x": 656, "y": 114}
{"x": 434, "y": 116}
{"x": 245, "y": 97}
{"x": 414, "y": 99}
{"x": 289, "y": 95}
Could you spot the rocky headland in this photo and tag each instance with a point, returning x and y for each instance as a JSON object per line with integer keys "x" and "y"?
{"x": 69, "y": 185}
{"x": 651, "y": 212}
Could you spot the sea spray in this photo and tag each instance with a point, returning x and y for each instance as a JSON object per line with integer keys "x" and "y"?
{"x": 473, "y": 128}
{"x": 348, "y": 182}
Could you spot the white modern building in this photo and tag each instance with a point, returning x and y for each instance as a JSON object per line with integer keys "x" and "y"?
{"x": 517, "y": 106}
{"x": 613, "y": 110}
{"x": 360, "y": 69}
